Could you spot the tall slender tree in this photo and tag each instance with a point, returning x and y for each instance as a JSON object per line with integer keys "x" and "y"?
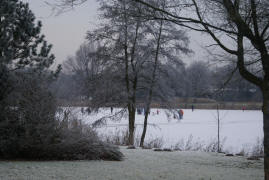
{"x": 169, "y": 43}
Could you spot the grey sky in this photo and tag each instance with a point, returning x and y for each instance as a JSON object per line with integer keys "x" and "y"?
{"x": 67, "y": 31}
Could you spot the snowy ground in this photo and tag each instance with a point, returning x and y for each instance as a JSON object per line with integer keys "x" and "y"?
{"x": 240, "y": 129}
{"x": 139, "y": 165}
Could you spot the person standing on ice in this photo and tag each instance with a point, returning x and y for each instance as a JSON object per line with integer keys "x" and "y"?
{"x": 180, "y": 114}
{"x": 192, "y": 107}
{"x": 111, "y": 108}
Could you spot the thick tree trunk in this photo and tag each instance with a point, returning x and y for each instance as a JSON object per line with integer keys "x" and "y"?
{"x": 131, "y": 110}
{"x": 265, "y": 110}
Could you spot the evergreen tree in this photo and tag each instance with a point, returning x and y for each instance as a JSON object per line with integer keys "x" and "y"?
{"x": 21, "y": 42}
{"x": 31, "y": 126}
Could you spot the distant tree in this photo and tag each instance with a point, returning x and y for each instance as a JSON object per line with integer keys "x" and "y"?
{"x": 66, "y": 88}
{"x": 85, "y": 66}
{"x": 171, "y": 83}
{"x": 198, "y": 79}
{"x": 229, "y": 85}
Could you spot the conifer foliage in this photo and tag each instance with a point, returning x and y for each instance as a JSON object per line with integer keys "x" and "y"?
{"x": 31, "y": 124}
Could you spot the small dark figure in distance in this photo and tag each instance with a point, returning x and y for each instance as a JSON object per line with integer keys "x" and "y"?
{"x": 111, "y": 110}
{"x": 138, "y": 111}
{"x": 89, "y": 111}
{"x": 192, "y": 108}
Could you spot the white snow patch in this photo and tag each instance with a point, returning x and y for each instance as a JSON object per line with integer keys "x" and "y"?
{"x": 241, "y": 129}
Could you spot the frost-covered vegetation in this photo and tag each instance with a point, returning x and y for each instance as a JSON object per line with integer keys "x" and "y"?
{"x": 132, "y": 61}
{"x": 196, "y": 131}
{"x": 29, "y": 126}
{"x": 33, "y": 129}
{"x": 140, "y": 164}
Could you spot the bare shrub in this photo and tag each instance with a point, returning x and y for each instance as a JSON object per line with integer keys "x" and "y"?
{"x": 119, "y": 137}
{"x": 254, "y": 150}
{"x": 258, "y": 148}
{"x": 154, "y": 143}
{"x": 213, "y": 146}
{"x": 195, "y": 145}
{"x": 192, "y": 145}
{"x": 189, "y": 145}
{"x": 80, "y": 141}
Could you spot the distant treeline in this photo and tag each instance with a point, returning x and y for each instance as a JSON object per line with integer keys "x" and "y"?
{"x": 195, "y": 83}
{"x": 197, "y": 103}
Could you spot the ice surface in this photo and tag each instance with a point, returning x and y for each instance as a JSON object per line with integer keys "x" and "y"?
{"x": 241, "y": 129}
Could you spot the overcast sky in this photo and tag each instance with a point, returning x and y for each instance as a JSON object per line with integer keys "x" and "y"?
{"x": 68, "y": 30}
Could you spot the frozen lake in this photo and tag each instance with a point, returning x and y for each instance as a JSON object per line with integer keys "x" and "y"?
{"x": 240, "y": 129}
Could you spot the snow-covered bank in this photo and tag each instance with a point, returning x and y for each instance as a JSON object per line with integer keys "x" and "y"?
{"x": 140, "y": 165}
{"x": 240, "y": 129}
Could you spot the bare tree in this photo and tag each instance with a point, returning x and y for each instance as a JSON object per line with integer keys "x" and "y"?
{"x": 123, "y": 38}
{"x": 246, "y": 25}
{"x": 130, "y": 40}
{"x": 170, "y": 43}
{"x": 198, "y": 79}
{"x": 152, "y": 83}
{"x": 85, "y": 67}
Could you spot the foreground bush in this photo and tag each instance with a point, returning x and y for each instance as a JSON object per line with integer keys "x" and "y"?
{"x": 33, "y": 128}
{"x": 71, "y": 147}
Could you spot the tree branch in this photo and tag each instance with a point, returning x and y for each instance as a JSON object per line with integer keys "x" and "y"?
{"x": 241, "y": 64}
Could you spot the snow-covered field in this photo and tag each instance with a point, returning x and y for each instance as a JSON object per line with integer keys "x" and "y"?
{"x": 139, "y": 164}
{"x": 240, "y": 129}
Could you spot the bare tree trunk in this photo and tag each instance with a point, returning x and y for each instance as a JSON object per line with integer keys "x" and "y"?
{"x": 151, "y": 87}
{"x": 132, "y": 109}
{"x": 132, "y": 92}
{"x": 218, "y": 128}
{"x": 127, "y": 81}
{"x": 265, "y": 111}
{"x": 264, "y": 85}
{"x": 146, "y": 120}
{"x": 131, "y": 126}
